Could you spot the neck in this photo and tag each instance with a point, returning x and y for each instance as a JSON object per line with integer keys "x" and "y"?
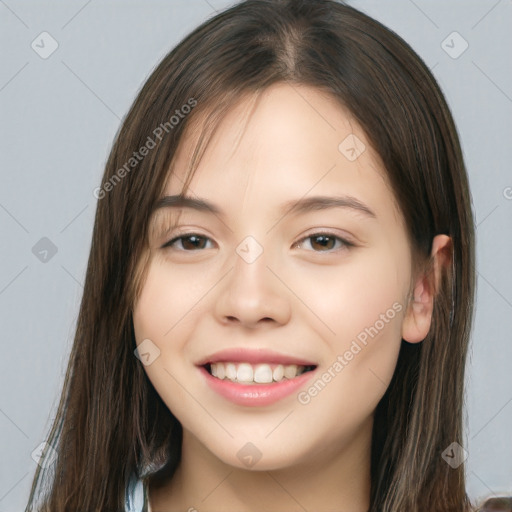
{"x": 337, "y": 479}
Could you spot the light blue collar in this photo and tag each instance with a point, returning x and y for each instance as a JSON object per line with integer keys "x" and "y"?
{"x": 134, "y": 498}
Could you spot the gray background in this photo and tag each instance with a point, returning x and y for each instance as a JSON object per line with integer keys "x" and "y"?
{"x": 60, "y": 114}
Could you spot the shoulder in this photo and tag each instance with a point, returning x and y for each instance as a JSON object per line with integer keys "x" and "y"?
{"x": 503, "y": 504}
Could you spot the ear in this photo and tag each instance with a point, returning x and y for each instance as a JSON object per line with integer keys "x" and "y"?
{"x": 418, "y": 316}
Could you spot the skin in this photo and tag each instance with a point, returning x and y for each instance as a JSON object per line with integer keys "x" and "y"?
{"x": 305, "y": 299}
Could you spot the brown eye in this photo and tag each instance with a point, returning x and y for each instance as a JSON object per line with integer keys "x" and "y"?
{"x": 325, "y": 242}
{"x": 188, "y": 242}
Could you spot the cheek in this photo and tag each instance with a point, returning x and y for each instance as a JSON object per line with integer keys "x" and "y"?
{"x": 377, "y": 309}
{"x": 163, "y": 314}
{"x": 362, "y": 303}
{"x": 165, "y": 303}
{"x": 349, "y": 299}
{"x": 160, "y": 316}
{"x": 364, "y": 308}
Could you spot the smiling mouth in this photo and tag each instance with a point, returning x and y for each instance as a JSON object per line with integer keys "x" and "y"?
{"x": 250, "y": 374}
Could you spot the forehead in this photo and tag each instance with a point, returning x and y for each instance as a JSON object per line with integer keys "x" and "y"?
{"x": 288, "y": 142}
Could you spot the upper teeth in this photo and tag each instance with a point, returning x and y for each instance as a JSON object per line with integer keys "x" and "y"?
{"x": 260, "y": 373}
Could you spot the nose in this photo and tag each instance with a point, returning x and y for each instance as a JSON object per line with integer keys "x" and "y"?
{"x": 252, "y": 295}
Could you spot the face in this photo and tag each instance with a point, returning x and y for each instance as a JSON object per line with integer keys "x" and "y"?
{"x": 262, "y": 292}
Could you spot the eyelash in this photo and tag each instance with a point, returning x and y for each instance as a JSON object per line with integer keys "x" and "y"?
{"x": 345, "y": 243}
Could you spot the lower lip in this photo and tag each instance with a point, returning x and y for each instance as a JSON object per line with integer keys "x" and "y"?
{"x": 255, "y": 395}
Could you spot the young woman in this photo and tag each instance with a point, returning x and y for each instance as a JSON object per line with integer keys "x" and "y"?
{"x": 280, "y": 287}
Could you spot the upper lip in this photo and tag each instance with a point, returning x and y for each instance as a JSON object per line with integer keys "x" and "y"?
{"x": 253, "y": 356}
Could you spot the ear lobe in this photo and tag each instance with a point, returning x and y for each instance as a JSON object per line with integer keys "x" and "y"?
{"x": 418, "y": 316}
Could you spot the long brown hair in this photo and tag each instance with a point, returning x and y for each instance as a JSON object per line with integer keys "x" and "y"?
{"x": 111, "y": 422}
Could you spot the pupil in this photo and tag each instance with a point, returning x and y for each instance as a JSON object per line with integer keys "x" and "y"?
{"x": 324, "y": 238}
{"x": 195, "y": 241}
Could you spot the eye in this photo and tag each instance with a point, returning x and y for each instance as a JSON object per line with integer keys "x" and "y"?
{"x": 188, "y": 241}
{"x": 325, "y": 241}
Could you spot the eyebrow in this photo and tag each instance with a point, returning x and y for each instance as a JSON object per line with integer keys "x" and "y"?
{"x": 302, "y": 205}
